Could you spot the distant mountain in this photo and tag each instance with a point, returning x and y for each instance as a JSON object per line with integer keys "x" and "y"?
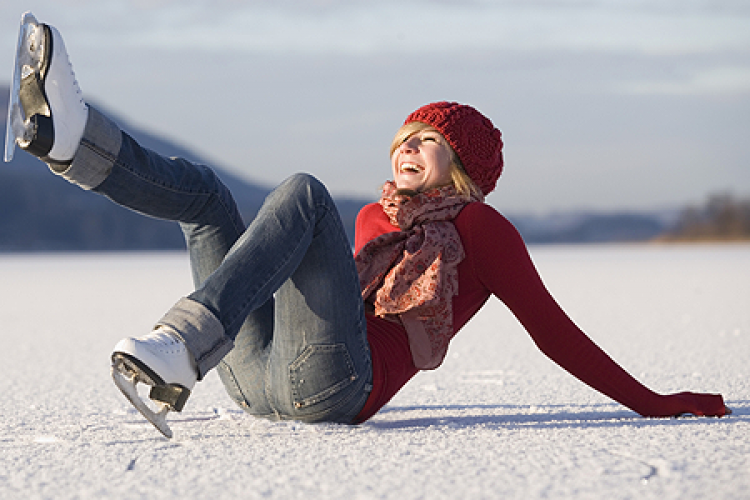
{"x": 42, "y": 212}
{"x": 593, "y": 227}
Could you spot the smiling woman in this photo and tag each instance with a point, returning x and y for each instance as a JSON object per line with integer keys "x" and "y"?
{"x": 440, "y": 127}
{"x": 298, "y": 327}
{"x": 422, "y": 161}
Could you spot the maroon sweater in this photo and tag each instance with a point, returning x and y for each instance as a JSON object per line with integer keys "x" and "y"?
{"x": 498, "y": 263}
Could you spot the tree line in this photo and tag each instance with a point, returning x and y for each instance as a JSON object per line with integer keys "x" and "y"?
{"x": 723, "y": 217}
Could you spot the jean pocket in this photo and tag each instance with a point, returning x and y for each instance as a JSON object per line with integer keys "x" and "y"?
{"x": 320, "y": 372}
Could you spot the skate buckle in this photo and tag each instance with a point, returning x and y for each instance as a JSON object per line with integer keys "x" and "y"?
{"x": 128, "y": 371}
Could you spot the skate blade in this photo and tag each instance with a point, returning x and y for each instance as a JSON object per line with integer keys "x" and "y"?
{"x": 127, "y": 385}
{"x": 16, "y": 128}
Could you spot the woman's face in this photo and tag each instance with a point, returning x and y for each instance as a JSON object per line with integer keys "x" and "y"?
{"x": 423, "y": 161}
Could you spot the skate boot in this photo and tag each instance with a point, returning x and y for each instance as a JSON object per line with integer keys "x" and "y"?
{"x": 46, "y": 112}
{"x": 162, "y": 361}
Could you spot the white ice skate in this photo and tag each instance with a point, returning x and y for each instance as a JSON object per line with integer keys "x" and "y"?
{"x": 46, "y": 112}
{"x": 162, "y": 361}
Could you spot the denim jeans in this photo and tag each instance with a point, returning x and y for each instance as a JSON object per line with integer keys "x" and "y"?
{"x": 277, "y": 305}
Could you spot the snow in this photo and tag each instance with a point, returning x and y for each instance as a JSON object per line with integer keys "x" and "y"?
{"x": 498, "y": 420}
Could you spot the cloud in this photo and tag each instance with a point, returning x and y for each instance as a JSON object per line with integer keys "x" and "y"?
{"x": 726, "y": 80}
{"x": 337, "y": 26}
{"x": 574, "y": 84}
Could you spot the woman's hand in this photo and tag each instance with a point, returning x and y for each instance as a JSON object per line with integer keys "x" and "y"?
{"x": 701, "y": 405}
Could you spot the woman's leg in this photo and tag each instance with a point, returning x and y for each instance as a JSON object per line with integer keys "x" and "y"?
{"x": 49, "y": 118}
{"x": 297, "y": 236}
{"x": 317, "y": 364}
{"x": 258, "y": 337}
{"x": 318, "y": 360}
{"x": 112, "y": 164}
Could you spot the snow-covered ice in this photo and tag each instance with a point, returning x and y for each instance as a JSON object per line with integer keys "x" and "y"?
{"x": 498, "y": 420}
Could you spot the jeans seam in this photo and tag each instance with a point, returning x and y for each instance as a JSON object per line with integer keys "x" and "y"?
{"x": 324, "y": 394}
{"x": 267, "y": 375}
{"x": 207, "y": 355}
{"x": 107, "y": 156}
{"x": 267, "y": 387}
{"x": 206, "y": 194}
{"x": 270, "y": 276}
{"x": 236, "y": 385}
{"x": 322, "y": 415}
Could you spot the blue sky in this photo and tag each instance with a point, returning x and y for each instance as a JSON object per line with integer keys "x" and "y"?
{"x": 604, "y": 104}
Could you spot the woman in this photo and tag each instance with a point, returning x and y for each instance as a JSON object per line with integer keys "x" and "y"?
{"x": 297, "y": 327}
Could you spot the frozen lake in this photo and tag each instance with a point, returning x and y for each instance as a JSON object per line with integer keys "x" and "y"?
{"x": 498, "y": 420}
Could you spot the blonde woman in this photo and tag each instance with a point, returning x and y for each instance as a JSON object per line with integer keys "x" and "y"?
{"x": 297, "y": 326}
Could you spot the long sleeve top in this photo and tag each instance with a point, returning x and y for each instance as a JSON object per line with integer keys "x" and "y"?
{"x": 497, "y": 263}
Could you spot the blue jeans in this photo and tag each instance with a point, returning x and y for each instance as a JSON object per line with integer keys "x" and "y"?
{"x": 277, "y": 306}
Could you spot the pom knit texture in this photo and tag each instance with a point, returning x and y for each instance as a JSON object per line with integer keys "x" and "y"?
{"x": 472, "y": 135}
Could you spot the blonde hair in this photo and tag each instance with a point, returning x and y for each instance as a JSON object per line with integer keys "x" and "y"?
{"x": 466, "y": 187}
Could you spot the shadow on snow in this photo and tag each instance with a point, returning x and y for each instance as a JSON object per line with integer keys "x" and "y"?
{"x": 538, "y": 416}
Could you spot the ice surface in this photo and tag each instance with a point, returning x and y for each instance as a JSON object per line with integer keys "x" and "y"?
{"x": 498, "y": 420}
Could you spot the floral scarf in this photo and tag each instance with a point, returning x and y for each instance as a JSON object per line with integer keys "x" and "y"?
{"x": 411, "y": 275}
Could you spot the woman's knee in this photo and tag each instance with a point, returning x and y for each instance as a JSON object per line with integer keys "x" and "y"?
{"x": 305, "y": 184}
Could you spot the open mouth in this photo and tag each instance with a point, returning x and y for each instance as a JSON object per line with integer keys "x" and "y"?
{"x": 410, "y": 168}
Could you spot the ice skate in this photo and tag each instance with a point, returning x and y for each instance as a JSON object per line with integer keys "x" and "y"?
{"x": 46, "y": 111}
{"x": 160, "y": 360}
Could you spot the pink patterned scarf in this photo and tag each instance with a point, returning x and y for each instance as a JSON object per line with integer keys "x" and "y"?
{"x": 411, "y": 275}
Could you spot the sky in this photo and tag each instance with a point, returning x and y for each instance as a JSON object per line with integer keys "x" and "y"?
{"x": 603, "y": 104}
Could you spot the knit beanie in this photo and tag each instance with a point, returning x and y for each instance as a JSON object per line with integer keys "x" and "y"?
{"x": 472, "y": 135}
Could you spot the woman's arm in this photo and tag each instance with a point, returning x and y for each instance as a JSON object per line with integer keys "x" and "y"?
{"x": 502, "y": 263}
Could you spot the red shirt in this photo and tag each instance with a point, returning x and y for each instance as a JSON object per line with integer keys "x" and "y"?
{"x": 497, "y": 263}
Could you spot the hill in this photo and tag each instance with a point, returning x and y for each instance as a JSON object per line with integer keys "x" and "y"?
{"x": 43, "y": 213}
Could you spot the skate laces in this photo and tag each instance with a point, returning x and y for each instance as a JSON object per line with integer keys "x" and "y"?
{"x": 164, "y": 340}
{"x": 72, "y": 73}
{"x": 76, "y": 87}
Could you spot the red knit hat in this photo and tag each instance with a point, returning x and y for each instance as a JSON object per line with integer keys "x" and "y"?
{"x": 476, "y": 141}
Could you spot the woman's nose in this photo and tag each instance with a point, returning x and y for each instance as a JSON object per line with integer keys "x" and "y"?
{"x": 408, "y": 146}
